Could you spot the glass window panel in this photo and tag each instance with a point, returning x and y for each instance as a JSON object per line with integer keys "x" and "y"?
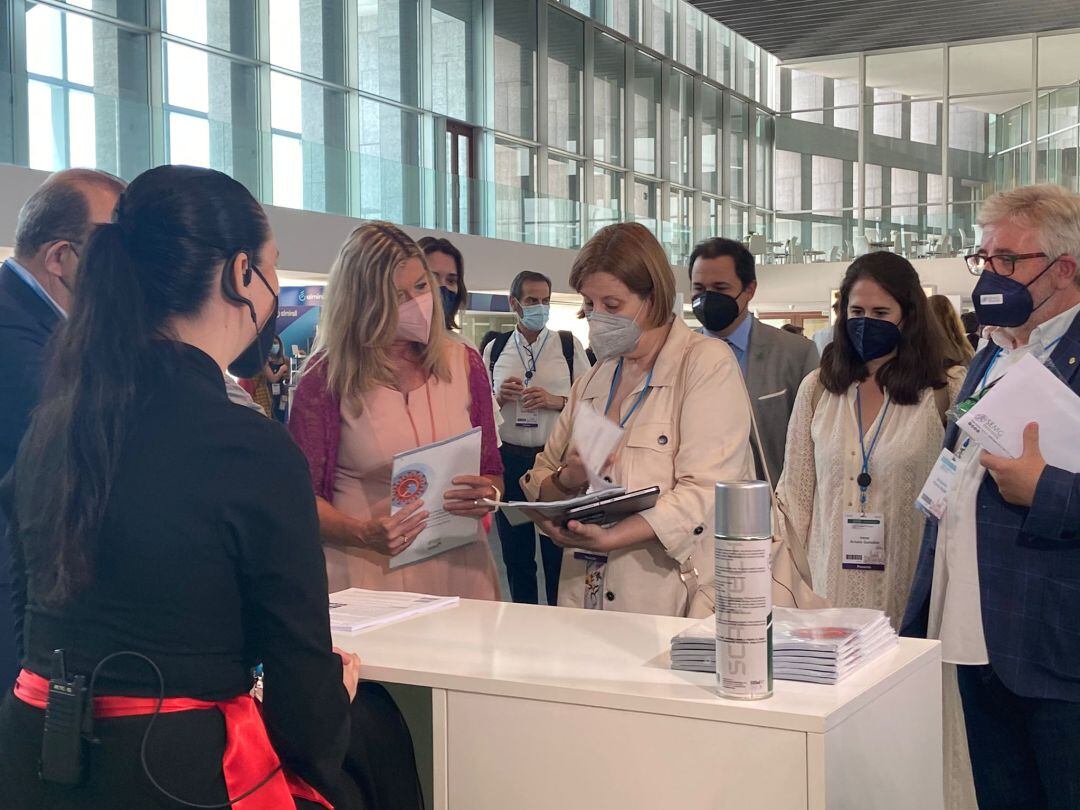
{"x": 676, "y": 232}
{"x": 453, "y": 73}
{"x": 285, "y": 102}
{"x": 566, "y": 64}
{"x": 711, "y": 133}
{"x": 189, "y": 140}
{"x": 609, "y": 87}
{"x": 912, "y": 74}
{"x": 992, "y": 68}
{"x": 889, "y": 120}
{"x": 967, "y": 128}
{"x": 307, "y": 36}
{"x": 82, "y": 126}
{"x": 288, "y": 167}
{"x": 607, "y": 198}
{"x": 562, "y": 207}
{"x": 1058, "y": 159}
{"x": 787, "y": 182}
{"x": 45, "y": 106}
{"x": 388, "y": 48}
{"x": 644, "y": 204}
{"x": 187, "y": 77}
{"x": 1063, "y": 107}
{"x": 746, "y": 59}
{"x": 905, "y": 196}
{"x": 1059, "y": 59}
{"x": 80, "y": 49}
{"x": 681, "y": 127}
{"x": 659, "y": 35}
{"x": 515, "y": 66}
{"x": 515, "y": 198}
{"x": 646, "y": 101}
{"x": 43, "y": 35}
{"x": 227, "y": 24}
{"x": 122, "y": 9}
{"x": 846, "y": 118}
{"x": 763, "y": 149}
{"x": 692, "y": 41}
{"x": 873, "y": 186}
{"x": 827, "y": 183}
{"x": 807, "y": 90}
{"x": 721, "y": 53}
{"x": 389, "y": 157}
{"x": 925, "y": 127}
{"x": 738, "y": 148}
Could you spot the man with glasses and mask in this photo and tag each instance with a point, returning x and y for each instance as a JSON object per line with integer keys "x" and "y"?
{"x": 35, "y": 295}
{"x": 998, "y": 578}
{"x": 773, "y": 362}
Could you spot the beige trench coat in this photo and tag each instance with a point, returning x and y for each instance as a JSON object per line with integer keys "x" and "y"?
{"x": 689, "y": 432}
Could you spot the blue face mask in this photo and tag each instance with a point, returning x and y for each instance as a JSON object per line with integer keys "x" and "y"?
{"x": 536, "y": 317}
{"x": 872, "y": 337}
{"x": 1004, "y": 301}
{"x": 449, "y": 300}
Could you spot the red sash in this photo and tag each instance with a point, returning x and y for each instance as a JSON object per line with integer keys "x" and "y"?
{"x": 249, "y": 756}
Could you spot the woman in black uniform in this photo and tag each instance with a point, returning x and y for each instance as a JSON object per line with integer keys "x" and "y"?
{"x": 150, "y": 516}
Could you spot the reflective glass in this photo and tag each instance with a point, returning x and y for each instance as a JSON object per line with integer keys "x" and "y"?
{"x": 738, "y": 148}
{"x": 646, "y": 105}
{"x": 230, "y": 25}
{"x": 609, "y": 88}
{"x": 308, "y": 37}
{"x": 388, "y": 48}
{"x": 680, "y": 127}
{"x": 454, "y": 83}
{"x": 515, "y": 66}
{"x": 711, "y": 135}
{"x": 566, "y": 63}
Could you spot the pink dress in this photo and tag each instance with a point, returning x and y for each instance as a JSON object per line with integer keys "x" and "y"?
{"x": 358, "y": 479}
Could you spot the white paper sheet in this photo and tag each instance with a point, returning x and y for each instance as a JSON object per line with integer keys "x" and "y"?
{"x": 595, "y": 438}
{"x": 357, "y": 609}
{"x": 1029, "y": 392}
{"x": 512, "y": 509}
{"x": 425, "y": 474}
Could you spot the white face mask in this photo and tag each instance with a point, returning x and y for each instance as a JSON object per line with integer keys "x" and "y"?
{"x": 613, "y": 335}
{"x": 414, "y": 319}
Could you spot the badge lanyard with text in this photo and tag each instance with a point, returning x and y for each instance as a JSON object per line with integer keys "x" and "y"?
{"x": 864, "y": 534}
{"x": 528, "y": 419}
{"x": 596, "y": 564}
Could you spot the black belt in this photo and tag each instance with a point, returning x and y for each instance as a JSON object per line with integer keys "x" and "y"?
{"x": 520, "y": 450}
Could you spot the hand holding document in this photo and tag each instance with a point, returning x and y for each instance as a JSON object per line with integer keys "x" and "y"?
{"x": 595, "y": 439}
{"x": 515, "y": 511}
{"x": 1029, "y": 392}
{"x": 424, "y": 474}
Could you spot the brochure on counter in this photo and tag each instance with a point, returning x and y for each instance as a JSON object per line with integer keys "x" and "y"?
{"x": 357, "y": 609}
{"x": 425, "y": 474}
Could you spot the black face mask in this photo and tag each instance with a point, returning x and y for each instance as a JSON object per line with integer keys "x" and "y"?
{"x": 716, "y": 311}
{"x": 253, "y": 358}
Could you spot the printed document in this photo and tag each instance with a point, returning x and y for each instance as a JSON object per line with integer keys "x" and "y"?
{"x": 358, "y": 609}
{"x": 425, "y": 474}
{"x": 552, "y": 509}
{"x": 595, "y": 438}
{"x": 1029, "y": 392}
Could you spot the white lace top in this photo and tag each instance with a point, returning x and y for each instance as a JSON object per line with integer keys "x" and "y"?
{"x": 818, "y": 486}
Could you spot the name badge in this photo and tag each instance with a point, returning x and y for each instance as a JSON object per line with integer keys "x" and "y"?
{"x": 275, "y": 389}
{"x": 864, "y": 542}
{"x": 595, "y": 566}
{"x": 527, "y": 419}
{"x": 934, "y": 497}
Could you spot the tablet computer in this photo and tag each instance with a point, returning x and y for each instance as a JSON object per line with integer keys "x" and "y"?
{"x": 614, "y": 509}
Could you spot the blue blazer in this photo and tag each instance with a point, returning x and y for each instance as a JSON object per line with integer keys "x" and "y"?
{"x": 1029, "y": 566}
{"x": 26, "y": 324}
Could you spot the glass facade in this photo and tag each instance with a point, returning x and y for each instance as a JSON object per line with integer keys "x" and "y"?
{"x": 531, "y": 120}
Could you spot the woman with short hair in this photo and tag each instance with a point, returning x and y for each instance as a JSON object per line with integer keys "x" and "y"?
{"x": 384, "y": 378}
{"x": 680, "y": 400}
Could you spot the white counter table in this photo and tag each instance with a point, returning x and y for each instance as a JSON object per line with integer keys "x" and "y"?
{"x": 538, "y": 708}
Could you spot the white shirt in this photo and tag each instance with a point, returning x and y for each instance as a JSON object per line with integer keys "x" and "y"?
{"x": 552, "y": 374}
{"x": 955, "y": 604}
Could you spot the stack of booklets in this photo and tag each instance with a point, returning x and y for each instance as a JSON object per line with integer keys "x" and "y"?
{"x": 357, "y": 609}
{"x": 818, "y": 646}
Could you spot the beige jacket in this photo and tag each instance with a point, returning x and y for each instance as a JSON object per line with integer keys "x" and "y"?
{"x": 690, "y": 431}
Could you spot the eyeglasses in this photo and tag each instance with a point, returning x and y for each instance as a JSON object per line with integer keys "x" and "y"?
{"x": 1003, "y": 264}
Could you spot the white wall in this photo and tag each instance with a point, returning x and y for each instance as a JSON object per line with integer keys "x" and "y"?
{"x": 309, "y": 243}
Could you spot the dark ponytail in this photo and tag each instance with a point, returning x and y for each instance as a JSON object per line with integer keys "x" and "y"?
{"x": 161, "y": 258}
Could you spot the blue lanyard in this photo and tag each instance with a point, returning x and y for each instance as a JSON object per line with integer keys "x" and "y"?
{"x": 530, "y": 371}
{"x": 864, "y": 476}
{"x": 615, "y": 384}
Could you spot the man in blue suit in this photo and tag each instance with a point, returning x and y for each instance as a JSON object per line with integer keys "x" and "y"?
{"x": 998, "y": 577}
{"x": 35, "y": 295}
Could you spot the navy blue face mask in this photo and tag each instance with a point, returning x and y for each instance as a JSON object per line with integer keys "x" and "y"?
{"x": 1004, "y": 301}
{"x": 872, "y": 337}
{"x": 449, "y": 300}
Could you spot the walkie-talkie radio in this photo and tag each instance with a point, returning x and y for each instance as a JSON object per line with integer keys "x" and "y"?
{"x": 62, "y": 743}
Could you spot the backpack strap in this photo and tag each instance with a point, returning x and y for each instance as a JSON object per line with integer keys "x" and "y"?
{"x": 498, "y": 343}
{"x": 567, "y": 340}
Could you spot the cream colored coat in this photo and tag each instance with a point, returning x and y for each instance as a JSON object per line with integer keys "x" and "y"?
{"x": 691, "y": 430}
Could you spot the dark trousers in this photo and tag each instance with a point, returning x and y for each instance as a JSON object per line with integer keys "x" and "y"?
{"x": 9, "y": 659}
{"x": 184, "y": 755}
{"x": 1025, "y": 752}
{"x": 519, "y": 542}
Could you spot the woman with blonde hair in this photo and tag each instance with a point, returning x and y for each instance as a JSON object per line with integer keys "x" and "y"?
{"x": 955, "y": 346}
{"x": 680, "y": 400}
{"x": 385, "y": 378}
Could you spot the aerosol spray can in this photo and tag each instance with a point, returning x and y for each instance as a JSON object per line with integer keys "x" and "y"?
{"x": 744, "y": 590}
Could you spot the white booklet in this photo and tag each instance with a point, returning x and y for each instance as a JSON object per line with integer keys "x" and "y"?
{"x": 358, "y": 609}
{"x": 1029, "y": 392}
{"x": 424, "y": 474}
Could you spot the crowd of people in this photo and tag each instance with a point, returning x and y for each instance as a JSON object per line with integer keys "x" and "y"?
{"x": 155, "y": 511}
